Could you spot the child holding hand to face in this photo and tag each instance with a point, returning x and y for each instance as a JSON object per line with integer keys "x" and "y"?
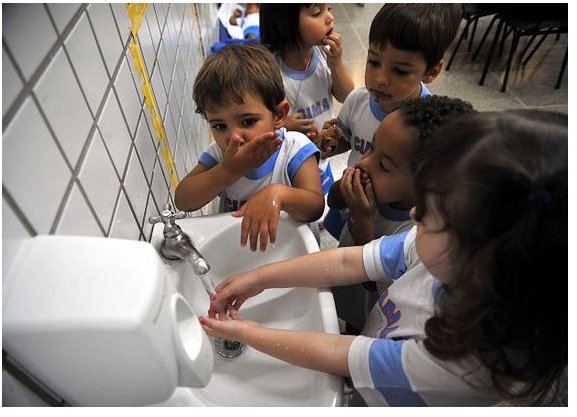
{"x": 470, "y": 319}
{"x": 308, "y": 51}
{"x": 379, "y": 190}
{"x": 256, "y": 166}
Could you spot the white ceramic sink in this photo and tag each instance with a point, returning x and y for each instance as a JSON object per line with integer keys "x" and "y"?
{"x": 253, "y": 378}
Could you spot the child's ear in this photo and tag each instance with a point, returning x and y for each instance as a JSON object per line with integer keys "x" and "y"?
{"x": 280, "y": 113}
{"x": 432, "y": 73}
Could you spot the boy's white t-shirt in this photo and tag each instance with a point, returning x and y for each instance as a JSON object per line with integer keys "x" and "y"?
{"x": 280, "y": 168}
{"x": 388, "y": 363}
{"x": 359, "y": 118}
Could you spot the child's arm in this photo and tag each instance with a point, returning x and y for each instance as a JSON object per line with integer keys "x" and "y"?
{"x": 303, "y": 201}
{"x": 319, "y": 351}
{"x": 342, "y": 84}
{"x": 202, "y": 184}
{"x": 328, "y": 268}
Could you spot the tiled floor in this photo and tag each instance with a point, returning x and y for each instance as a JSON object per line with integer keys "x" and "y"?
{"x": 531, "y": 87}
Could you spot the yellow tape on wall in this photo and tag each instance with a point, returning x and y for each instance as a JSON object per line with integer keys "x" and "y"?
{"x": 135, "y": 14}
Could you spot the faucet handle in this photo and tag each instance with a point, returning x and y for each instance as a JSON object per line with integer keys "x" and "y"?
{"x": 167, "y": 216}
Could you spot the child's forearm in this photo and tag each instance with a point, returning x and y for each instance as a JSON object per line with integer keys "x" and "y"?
{"x": 301, "y": 204}
{"x": 319, "y": 351}
{"x": 198, "y": 189}
{"x": 327, "y": 268}
{"x": 342, "y": 82}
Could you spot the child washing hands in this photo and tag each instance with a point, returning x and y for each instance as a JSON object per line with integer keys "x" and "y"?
{"x": 469, "y": 319}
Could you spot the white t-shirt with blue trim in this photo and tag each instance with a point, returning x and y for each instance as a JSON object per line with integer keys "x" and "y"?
{"x": 280, "y": 168}
{"x": 310, "y": 92}
{"x": 388, "y": 363}
{"x": 359, "y": 118}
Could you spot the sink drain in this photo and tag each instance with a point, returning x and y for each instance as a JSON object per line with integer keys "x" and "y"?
{"x": 228, "y": 348}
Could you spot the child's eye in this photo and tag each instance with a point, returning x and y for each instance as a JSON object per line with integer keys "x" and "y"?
{"x": 373, "y": 63}
{"x": 383, "y": 167}
{"x": 218, "y": 126}
{"x": 248, "y": 122}
{"x": 400, "y": 71}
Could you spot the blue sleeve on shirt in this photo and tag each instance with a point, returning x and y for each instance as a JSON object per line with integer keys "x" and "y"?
{"x": 207, "y": 160}
{"x": 389, "y": 377}
{"x": 392, "y": 253}
{"x": 302, "y": 155}
{"x": 346, "y": 130}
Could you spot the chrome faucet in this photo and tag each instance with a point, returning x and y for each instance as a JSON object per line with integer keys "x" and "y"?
{"x": 176, "y": 245}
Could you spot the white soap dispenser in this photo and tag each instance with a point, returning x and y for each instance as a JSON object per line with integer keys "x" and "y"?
{"x": 98, "y": 321}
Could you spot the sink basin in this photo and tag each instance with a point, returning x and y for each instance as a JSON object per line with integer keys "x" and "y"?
{"x": 254, "y": 378}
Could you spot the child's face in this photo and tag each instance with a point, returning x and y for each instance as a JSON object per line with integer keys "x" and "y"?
{"x": 387, "y": 165}
{"x": 432, "y": 243}
{"x": 394, "y": 75}
{"x": 246, "y": 120}
{"x": 316, "y": 22}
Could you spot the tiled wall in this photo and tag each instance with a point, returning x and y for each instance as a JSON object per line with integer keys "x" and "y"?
{"x": 80, "y": 155}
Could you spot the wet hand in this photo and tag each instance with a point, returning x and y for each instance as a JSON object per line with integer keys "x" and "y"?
{"x": 234, "y": 329}
{"x": 232, "y": 293}
{"x": 260, "y": 217}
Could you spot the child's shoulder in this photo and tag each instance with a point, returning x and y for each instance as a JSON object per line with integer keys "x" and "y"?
{"x": 359, "y": 94}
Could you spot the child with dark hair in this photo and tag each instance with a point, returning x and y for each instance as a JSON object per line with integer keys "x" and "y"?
{"x": 468, "y": 320}
{"x": 309, "y": 54}
{"x": 256, "y": 166}
{"x": 406, "y": 47}
{"x": 379, "y": 190}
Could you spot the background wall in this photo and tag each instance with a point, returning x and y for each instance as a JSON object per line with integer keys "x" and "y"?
{"x": 80, "y": 154}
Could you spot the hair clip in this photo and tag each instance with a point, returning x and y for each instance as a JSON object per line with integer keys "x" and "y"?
{"x": 537, "y": 199}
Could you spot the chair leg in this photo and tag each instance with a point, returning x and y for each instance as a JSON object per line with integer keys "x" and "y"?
{"x": 488, "y": 62}
{"x": 510, "y": 60}
{"x": 526, "y": 60}
{"x": 475, "y": 21}
{"x": 506, "y": 34}
{"x": 485, "y": 36}
{"x": 562, "y": 71}
{"x": 463, "y": 34}
{"x": 526, "y": 48}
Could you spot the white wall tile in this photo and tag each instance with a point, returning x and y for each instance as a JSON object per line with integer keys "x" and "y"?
{"x": 99, "y": 181}
{"x": 63, "y": 104}
{"x": 77, "y": 219}
{"x": 13, "y": 234}
{"x": 160, "y": 186}
{"x": 128, "y": 95}
{"x": 106, "y": 34}
{"x": 29, "y": 34}
{"x": 122, "y": 20}
{"x": 145, "y": 147}
{"x": 11, "y": 84}
{"x": 115, "y": 134}
{"x": 33, "y": 170}
{"x": 159, "y": 92}
{"x": 124, "y": 225}
{"x": 62, "y": 13}
{"x": 35, "y": 173}
{"x": 87, "y": 63}
{"x": 134, "y": 184}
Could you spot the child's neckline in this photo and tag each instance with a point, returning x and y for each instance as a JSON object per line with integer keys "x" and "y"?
{"x": 296, "y": 63}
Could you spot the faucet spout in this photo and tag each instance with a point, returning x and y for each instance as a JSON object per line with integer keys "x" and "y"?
{"x": 176, "y": 244}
